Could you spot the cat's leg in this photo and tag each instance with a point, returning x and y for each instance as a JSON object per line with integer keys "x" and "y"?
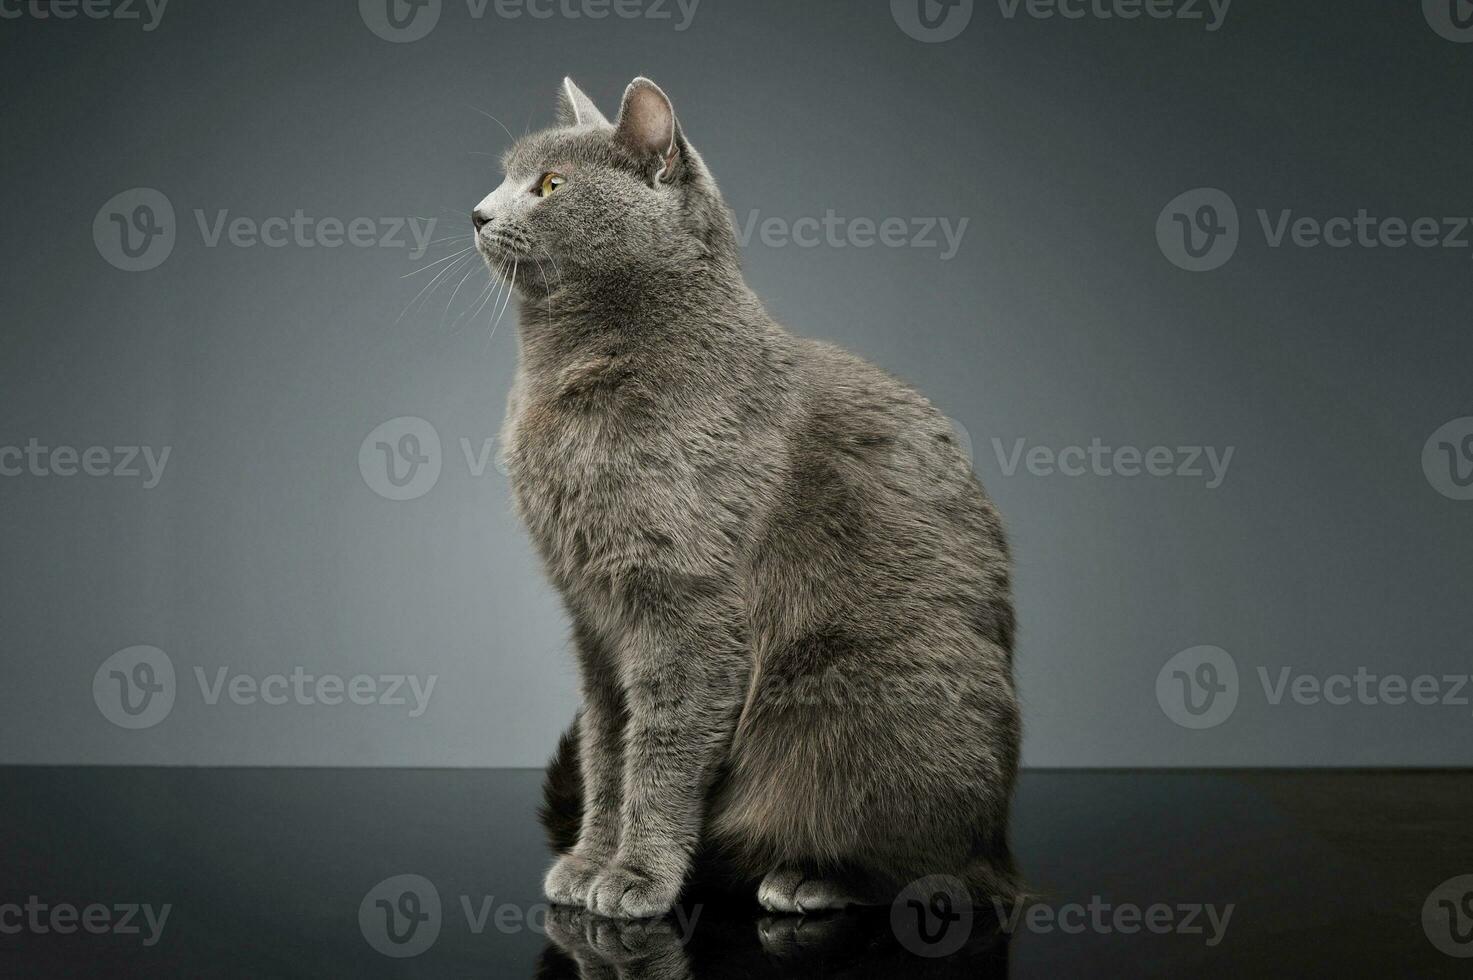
{"x": 797, "y": 804}
{"x": 600, "y": 759}
{"x": 685, "y": 675}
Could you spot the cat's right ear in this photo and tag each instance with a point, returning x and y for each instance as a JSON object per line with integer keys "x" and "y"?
{"x": 576, "y": 109}
{"x": 647, "y": 127}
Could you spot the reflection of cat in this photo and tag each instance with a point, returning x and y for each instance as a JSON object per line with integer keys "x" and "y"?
{"x": 854, "y": 945}
{"x": 790, "y": 596}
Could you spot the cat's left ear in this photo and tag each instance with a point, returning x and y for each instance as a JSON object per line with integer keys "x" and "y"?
{"x": 647, "y": 127}
{"x": 576, "y": 109}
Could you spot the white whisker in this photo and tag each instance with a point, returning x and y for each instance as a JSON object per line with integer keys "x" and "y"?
{"x": 471, "y": 268}
{"x": 430, "y": 285}
{"x": 451, "y": 238}
{"x": 493, "y": 291}
{"x": 472, "y": 305}
{"x": 509, "y": 291}
{"x": 493, "y": 119}
{"x": 437, "y": 262}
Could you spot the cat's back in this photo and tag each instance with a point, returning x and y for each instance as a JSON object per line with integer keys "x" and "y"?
{"x": 880, "y": 482}
{"x": 875, "y": 426}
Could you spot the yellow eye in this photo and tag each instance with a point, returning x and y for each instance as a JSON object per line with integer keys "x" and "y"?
{"x": 550, "y": 183}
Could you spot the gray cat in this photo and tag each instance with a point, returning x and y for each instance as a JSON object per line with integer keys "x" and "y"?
{"x": 790, "y": 597}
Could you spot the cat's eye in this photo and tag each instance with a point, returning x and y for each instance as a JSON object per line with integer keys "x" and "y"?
{"x": 549, "y": 183}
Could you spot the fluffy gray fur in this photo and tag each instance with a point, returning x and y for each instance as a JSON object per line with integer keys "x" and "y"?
{"x": 790, "y": 596}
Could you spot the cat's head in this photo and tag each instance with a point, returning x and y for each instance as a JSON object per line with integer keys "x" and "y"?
{"x": 595, "y": 201}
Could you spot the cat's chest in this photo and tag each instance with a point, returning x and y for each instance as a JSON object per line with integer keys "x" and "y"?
{"x": 589, "y": 461}
{"x": 573, "y": 426}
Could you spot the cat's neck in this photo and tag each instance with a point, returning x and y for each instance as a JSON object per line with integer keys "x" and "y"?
{"x": 647, "y": 309}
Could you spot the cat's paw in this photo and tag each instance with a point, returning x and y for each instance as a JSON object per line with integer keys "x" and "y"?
{"x": 564, "y": 925}
{"x": 612, "y": 940}
{"x": 786, "y": 936}
{"x": 625, "y": 892}
{"x": 569, "y": 880}
{"x": 791, "y": 890}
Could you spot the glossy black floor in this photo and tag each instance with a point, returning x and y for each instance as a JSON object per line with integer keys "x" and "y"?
{"x": 336, "y": 873}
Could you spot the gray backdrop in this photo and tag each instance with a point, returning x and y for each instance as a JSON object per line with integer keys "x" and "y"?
{"x": 1160, "y": 610}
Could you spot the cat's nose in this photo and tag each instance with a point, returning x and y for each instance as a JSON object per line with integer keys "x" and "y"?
{"x": 480, "y": 218}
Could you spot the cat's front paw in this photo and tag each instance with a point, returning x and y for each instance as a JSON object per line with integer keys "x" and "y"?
{"x": 628, "y": 892}
{"x": 569, "y": 879}
{"x": 579, "y": 932}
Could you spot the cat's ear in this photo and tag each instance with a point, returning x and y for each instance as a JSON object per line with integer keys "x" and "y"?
{"x": 576, "y": 109}
{"x": 647, "y": 126}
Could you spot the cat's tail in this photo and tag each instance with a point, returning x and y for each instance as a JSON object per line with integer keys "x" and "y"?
{"x": 994, "y": 882}
{"x": 562, "y": 794}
